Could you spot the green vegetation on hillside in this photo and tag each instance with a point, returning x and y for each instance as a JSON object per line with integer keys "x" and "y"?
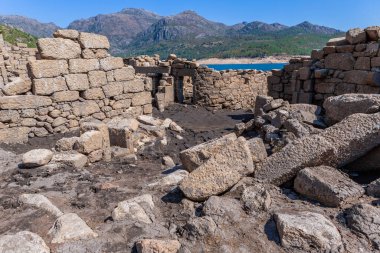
{"x": 235, "y": 46}
{"x": 14, "y": 36}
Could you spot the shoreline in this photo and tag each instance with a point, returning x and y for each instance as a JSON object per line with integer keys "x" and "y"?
{"x": 258, "y": 60}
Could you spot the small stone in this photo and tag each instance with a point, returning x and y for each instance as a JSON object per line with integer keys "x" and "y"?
{"x": 91, "y": 40}
{"x": 37, "y": 157}
{"x": 158, "y": 246}
{"x": 356, "y": 36}
{"x": 168, "y": 162}
{"x": 75, "y": 160}
{"x": 256, "y": 198}
{"x": 89, "y": 141}
{"x": 134, "y": 209}
{"x": 66, "y": 144}
{"x": 373, "y": 188}
{"x": 17, "y": 86}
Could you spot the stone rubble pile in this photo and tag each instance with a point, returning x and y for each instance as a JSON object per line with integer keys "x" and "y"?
{"x": 119, "y": 138}
{"x": 75, "y": 80}
{"x": 346, "y": 65}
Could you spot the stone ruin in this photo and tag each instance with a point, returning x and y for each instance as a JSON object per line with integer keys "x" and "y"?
{"x": 283, "y": 181}
{"x": 350, "y": 64}
{"x": 181, "y": 80}
{"x": 73, "y": 79}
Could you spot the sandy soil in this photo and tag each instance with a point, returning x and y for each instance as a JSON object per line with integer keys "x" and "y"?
{"x": 269, "y": 59}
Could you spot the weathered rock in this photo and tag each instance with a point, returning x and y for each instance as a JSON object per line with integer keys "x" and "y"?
{"x": 97, "y": 78}
{"x": 113, "y": 89}
{"x": 307, "y": 231}
{"x": 58, "y": 48}
{"x": 83, "y": 65}
{"x": 14, "y": 135}
{"x": 66, "y": 144}
{"x": 65, "y": 96}
{"x": 72, "y": 159}
{"x": 142, "y": 98}
{"x": 175, "y": 127}
{"x": 135, "y": 209}
{"x": 124, "y": 74}
{"x": 111, "y": 63}
{"x": 77, "y": 82}
{"x": 157, "y": 246}
{"x": 223, "y": 210}
{"x": 295, "y": 127}
{"x": 356, "y": 36}
{"x": 364, "y": 218}
{"x": 103, "y": 129}
{"x": 23, "y": 242}
{"x": 17, "y": 86}
{"x": 327, "y": 185}
{"x": 173, "y": 178}
{"x": 37, "y": 157}
{"x": 85, "y": 108}
{"x": 89, "y": 141}
{"x": 193, "y": 157}
{"x": 256, "y": 198}
{"x": 168, "y": 162}
{"x": 258, "y": 150}
{"x": 23, "y": 102}
{"x": 337, "y": 42}
{"x": 336, "y": 146}
{"x": 66, "y": 34}
{"x": 221, "y": 172}
{"x": 149, "y": 120}
{"x": 373, "y": 33}
{"x": 339, "y": 107}
{"x": 47, "y": 86}
{"x": 134, "y": 86}
{"x": 91, "y": 40}
{"x": 48, "y": 68}
{"x": 340, "y": 61}
{"x": 373, "y": 188}
{"x": 70, "y": 227}
{"x": 40, "y": 201}
{"x": 120, "y": 131}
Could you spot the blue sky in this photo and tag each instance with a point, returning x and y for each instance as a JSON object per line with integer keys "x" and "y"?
{"x": 341, "y": 14}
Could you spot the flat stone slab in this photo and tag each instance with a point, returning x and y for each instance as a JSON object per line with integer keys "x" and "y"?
{"x": 70, "y": 227}
{"x": 195, "y": 156}
{"x": 327, "y": 185}
{"x": 24, "y": 102}
{"x": 219, "y": 173}
{"x": 73, "y": 159}
{"x": 23, "y": 242}
{"x": 336, "y": 146}
{"x": 307, "y": 231}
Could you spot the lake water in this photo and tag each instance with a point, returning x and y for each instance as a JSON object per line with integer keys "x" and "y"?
{"x": 258, "y": 66}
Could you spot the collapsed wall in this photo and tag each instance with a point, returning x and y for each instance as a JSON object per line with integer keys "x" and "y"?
{"x": 231, "y": 89}
{"x": 350, "y": 64}
{"x": 75, "y": 80}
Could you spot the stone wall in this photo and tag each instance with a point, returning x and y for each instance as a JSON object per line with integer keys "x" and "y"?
{"x": 201, "y": 85}
{"x": 350, "y": 64}
{"x": 75, "y": 80}
{"x": 13, "y": 61}
{"x": 231, "y": 89}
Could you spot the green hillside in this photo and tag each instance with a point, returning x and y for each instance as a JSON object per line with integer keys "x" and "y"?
{"x": 13, "y": 36}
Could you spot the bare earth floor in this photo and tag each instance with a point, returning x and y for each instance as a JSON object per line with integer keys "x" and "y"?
{"x": 94, "y": 192}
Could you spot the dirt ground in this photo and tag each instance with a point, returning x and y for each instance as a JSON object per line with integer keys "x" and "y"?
{"x": 94, "y": 192}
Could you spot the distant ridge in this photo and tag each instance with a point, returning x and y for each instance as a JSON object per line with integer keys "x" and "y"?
{"x": 137, "y": 31}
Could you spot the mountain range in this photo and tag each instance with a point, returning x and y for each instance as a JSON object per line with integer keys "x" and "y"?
{"x": 187, "y": 34}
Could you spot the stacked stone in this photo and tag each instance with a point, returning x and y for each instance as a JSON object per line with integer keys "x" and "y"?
{"x": 350, "y": 64}
{"x": 13, "y": 61}
{"x": 143, "y": 61}
{"x": 165, "y": 92}
{"x": 76, "y": 80}
{"x": 230, "y": 89}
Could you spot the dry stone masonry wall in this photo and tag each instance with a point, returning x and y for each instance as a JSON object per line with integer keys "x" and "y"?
{"x": 231, "y": 89}
{"x": 350, "y": 64}
{"x": 75, "y": 80}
